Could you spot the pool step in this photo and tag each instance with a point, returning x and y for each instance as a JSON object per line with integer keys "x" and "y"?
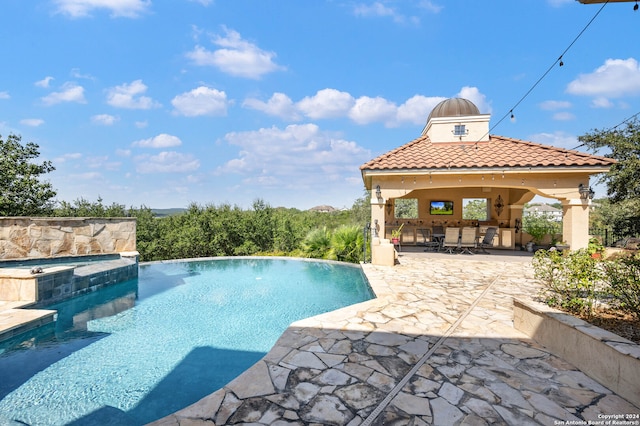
{"x": 15, "y": 321}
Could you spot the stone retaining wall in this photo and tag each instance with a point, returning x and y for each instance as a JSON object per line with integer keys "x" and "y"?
{"x": 33, "y": 237}
{"x": 610, "y": 359}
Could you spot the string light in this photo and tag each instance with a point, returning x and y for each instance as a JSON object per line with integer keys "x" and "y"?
{"x": 559, "y": 60}
{"x": 635, "y": 6}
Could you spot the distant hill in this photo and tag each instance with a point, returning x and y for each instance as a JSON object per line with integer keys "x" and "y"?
{"x": 167, "y": 212}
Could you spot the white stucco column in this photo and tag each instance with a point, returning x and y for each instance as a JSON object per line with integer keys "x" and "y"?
{"x": 377, "y": 214}
{"x": 381, "y": 254}
{"x": 575, "y": 223}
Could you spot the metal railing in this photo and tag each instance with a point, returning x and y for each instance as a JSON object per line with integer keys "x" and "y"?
{"x": 610, "y": 238}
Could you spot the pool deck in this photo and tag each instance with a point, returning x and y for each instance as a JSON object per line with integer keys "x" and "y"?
{"x": 437, "y": 346}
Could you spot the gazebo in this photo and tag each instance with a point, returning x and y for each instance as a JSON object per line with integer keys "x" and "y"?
{"x": 426, "y": 182}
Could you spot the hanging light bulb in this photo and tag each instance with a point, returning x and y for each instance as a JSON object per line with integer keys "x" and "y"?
{"x": 635, "y": 6}
{"x": 560, "y": 59}
{"x": 513, "y": 117}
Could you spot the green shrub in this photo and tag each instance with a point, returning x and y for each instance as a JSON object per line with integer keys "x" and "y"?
{"x": 573, "y": 281}
{"x": 623, "y": 276}
{"x": 317, "y": 243}
{"x": 346, "y": 244}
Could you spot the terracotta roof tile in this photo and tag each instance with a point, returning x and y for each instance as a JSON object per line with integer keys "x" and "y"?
{"x": 498, "y": 152}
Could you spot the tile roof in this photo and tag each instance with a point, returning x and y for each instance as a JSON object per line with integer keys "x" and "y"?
{"x": 498, "y": 152}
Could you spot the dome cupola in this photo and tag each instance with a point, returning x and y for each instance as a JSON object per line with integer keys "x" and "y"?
{"x": 454, "y": 107}
{"x": 456, "y": 119}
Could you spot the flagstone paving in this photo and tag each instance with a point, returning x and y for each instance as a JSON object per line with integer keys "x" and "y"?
{"x": 437, "y": 346}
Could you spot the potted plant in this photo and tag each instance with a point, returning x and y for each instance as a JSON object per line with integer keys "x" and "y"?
{"x": 595, "y": 248}
{"x": 395, "y": 234}
{"x": 538, "y": 229}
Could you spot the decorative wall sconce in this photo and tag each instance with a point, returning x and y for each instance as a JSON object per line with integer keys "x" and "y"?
{"x": 499, "y": 205}
{"x": 585, "y": 192}
{"x": 378, "y": 192}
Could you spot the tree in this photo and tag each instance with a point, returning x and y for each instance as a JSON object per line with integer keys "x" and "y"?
{"x": 623, "y": 179}
{"x": 475, "y": 209}
{"x": 22, "y": 193}
{"x": 82, "y": 207}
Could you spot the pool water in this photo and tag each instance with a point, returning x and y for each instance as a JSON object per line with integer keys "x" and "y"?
{"x": 140, "y": 350}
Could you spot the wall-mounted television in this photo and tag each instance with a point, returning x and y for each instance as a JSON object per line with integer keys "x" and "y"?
{"x": 441, "y": 207}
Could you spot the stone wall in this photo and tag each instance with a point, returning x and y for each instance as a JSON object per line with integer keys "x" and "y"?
{"x": 608, "y": 358}
{"x": 33, "y": 237}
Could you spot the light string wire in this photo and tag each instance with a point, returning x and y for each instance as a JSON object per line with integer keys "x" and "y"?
{"x": 510, "y": 112}
{"x": 626, "y": 120}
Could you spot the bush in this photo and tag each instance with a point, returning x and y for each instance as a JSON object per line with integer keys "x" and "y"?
{"x": 624, "y": 280}
{"x": 573, "y": 281}
{"x": 346, "y": 244}
{"x": 317, "y": 244}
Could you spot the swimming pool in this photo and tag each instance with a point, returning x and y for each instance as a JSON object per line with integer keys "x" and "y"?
{"x": 139, "y": 350}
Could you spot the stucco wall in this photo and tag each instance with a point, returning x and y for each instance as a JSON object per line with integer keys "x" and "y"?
{"x": 27, "y": 237}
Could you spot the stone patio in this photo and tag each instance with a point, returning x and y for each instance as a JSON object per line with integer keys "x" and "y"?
{"x": 437, "y": 346}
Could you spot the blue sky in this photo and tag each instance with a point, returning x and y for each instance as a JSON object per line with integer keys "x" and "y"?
{"x": 164, "y": 103}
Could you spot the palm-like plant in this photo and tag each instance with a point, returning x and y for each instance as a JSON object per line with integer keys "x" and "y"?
{"x": 346, "y": 244}
{"x": 317, "y": 243}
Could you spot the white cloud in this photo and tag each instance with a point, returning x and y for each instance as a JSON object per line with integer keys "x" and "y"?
{"x": 142, "y": 124}
{"x": 326, "y": 103}
{"x": 118, "y": 8}
{"x": 70, "y": 92}
{"x": 123, "y": 152}
{"x": 473, "y": 94}
{"x": 201, "y": 101}
{"x": 44, "y": 82}
{"x": 279, "y": 105}
{"x": 162, "y": 140}
{"x": 32, "y": 122}
{"x": 332, "y": 103}
{"x": 378, "y": 9}
{"x": 69, "y": 156}
{"x": 75, "y": 73}
{"x": 83, "y": 177}
{"x": 558, "y": 139}
{"x": 554, "y": 105}
{"x": 130, "y": 96}
{"x": 431, "y": 7}
{"x": 563, "y": 116}
{"x": 167, "y": 162}
{"x": 601, "y": 102}
{"x": 104, "y": 119}
{"x": 299, "y": 155}
{"x": 416, "y": 109}
{"x": 4, "y": 95}
{"x": 368, "y": 110}
{"x": 236, "y": 56}
{"x": 616, "y": 78}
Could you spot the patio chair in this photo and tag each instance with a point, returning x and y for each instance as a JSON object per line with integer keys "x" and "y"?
{"x": 437, "y": 232}
{"x": 429, "y": 242}
{"x": 487, "y": 241}
{"x": 451, "y": 239}
{"x": 468, "y": 239}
